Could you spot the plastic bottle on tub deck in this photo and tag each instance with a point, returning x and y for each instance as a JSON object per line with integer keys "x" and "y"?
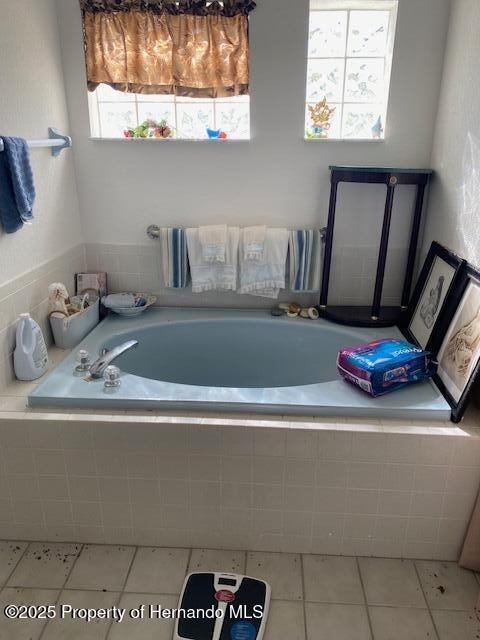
{"x": 30, "y": 358}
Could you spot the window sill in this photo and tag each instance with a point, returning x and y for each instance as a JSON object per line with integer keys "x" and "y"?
{"x": 226, "y": 141}
{"x": 168, "y": 140}
{"x": 356, "y": 140}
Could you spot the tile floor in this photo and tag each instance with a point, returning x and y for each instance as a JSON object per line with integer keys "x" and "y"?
{"x": 314, "y": 597}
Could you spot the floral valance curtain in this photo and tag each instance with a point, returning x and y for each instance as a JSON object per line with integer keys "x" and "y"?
{"x": 190, "y": 48}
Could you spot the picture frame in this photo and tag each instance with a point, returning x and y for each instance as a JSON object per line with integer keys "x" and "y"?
{"x": 438, "y": 278}
{"x": 459, "y": 347}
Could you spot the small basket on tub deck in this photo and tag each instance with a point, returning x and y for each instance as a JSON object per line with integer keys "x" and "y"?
{"x": 68, "y": 331}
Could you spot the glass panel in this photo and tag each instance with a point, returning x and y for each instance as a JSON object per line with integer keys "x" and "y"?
{"x": 118, "y": 111}
{"x": 332, "y": 132}
{"x": 365, "y": 80}
{"x": 368, "y": 33}
{"x": 363, "y": 121}
{"x": 325, "y": 80}
{"x": 114, "y": 118}
{"x": 234, "y": 119}
{"x": 157, "y": 111}
{"x": 327, "y": 34}
{"x": 193, "y": 119}
{"x": 105, "y": 93}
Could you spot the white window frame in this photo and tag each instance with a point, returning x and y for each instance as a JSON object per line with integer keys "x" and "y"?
{"x": 358, "y": 5}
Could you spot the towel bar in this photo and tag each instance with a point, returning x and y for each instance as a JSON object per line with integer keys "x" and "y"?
{"x": 56, "y": 140}
{"x": 153, "y": 232}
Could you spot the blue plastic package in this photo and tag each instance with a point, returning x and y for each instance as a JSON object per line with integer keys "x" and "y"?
{"x": 382, "y": 366}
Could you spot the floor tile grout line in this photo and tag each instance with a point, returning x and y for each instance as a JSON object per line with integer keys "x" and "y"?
{"x": 17, "y": 563}
{"x": 213, "y": 548}
{"x": 304, "y": 593}
{"x": 323, "y": 602}
{"x": 370, "y": 626}
{"x": 122, "y": 590}
{"x": 63, "y": 587}
{"x": 426, "y": 600}
{"x": 69, "y": 573}
{"x": 143, "y": 593}
{"x": 360, "y": 577}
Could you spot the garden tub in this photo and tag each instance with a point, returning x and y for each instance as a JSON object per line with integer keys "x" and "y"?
{"x": 231, "y": 361}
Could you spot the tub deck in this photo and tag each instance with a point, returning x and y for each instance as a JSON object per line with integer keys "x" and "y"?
{"x": 330, "y": 398}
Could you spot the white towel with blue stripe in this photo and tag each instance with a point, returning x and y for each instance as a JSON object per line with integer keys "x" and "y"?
{"x": 305, "y": 249}
{"x": 173, "y": 246}
{"x": 265, "y": 277}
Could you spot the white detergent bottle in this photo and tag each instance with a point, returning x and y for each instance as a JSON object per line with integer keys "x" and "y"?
{"x": 30, "y": 358}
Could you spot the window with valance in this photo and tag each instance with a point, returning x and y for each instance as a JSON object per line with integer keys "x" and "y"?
{"x": 187, "y": 60}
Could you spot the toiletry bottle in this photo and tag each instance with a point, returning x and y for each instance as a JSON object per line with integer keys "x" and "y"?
{"x": 30, "y": 358}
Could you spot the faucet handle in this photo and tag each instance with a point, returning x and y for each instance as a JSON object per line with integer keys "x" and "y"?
{"x": 111, "y": 376}
{"x": 83, "y": 361}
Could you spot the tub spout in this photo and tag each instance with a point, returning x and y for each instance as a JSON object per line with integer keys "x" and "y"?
{"x": 99, "y": 366}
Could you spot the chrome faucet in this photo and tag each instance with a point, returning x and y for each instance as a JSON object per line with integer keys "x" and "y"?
{"x": 99, "y": 366}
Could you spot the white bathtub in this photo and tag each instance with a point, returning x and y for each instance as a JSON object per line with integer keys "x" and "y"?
{"x": 232, "y": 360}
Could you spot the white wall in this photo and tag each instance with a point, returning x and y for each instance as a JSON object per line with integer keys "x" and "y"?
{"x": 277, "y": 177}
{"x": 454, "y": 211}
{"x": 32, "y": 98}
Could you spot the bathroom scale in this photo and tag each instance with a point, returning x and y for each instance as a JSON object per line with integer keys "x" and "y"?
{"x": 237, "y": 607}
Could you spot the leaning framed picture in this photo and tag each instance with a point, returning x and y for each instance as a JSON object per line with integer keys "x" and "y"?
{"x": 437, "y": 280}
{"x": 459, "y": 351}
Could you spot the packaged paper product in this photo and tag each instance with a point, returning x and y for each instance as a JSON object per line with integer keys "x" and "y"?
{"x": 384, "y": 365}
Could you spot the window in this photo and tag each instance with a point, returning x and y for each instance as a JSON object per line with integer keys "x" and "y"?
{"x": 112, "y": 113}
{"x": 350, "y": 47}
{"x": 168, "y": 69}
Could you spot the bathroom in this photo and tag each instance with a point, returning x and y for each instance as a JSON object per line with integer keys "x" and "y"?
{"x": 360, "y": 513}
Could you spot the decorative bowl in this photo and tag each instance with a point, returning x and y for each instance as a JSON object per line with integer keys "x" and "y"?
{"x": 136, "y": 310}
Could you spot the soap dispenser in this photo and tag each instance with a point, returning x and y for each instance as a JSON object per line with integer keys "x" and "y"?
{"x": 30, "y": 358}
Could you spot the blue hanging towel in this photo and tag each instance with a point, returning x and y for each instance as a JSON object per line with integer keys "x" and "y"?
{"x": 17, "y": 189}
{"x": 305, "y": 249}
{"x": 173, "y": 243}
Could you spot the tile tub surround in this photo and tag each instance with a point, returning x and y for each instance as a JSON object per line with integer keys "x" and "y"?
{"x": 133, "y": 267}
{"x": 29, "y": 293}
{"x": 250, "y": 482}
{"x": 314, "y": 597}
